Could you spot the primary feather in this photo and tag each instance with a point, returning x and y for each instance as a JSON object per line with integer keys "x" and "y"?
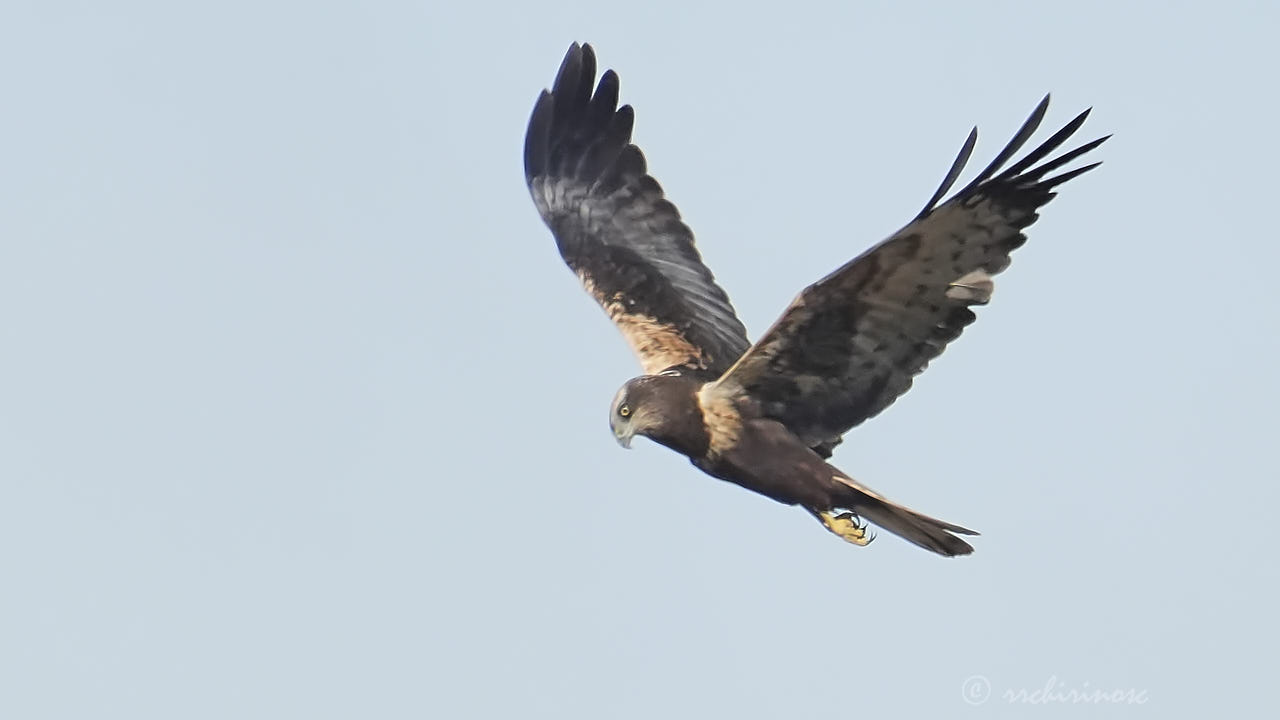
{"x": 617, "y": 231}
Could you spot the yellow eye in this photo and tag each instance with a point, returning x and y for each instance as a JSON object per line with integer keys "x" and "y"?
{"x": 624, "y": 410}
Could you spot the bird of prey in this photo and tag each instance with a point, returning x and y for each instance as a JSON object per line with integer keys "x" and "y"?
{"x": 767, "y": 416}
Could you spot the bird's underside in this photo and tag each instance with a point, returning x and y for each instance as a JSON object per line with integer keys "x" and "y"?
{"x": 765, "y": 457}
{"x": 766, "y": 416}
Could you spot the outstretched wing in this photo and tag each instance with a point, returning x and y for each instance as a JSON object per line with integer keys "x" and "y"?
{"x": 850, "y": 344}
{"x": 617, "y": 232}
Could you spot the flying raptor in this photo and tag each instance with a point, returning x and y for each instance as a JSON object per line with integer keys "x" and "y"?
{"x": 767, "y": 416}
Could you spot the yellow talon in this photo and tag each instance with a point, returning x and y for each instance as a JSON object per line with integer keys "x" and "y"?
{"x": 846, "y": 526}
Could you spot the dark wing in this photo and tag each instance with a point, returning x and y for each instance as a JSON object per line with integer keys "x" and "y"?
{"x": 617, "y": 232}
{"x": 850, "y": 344}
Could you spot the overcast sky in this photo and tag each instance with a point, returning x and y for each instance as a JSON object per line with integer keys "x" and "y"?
{"x": 302, "y": 416}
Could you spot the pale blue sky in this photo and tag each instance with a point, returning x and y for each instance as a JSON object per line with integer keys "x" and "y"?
{"x": 302, "y": 416}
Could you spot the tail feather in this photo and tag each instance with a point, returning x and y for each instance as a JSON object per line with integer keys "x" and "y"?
{"x": 922, "y": 530}
{"x": 929, "y": 533}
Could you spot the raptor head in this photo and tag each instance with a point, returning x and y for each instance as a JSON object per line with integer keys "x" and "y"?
{"x": 661, "y": 407}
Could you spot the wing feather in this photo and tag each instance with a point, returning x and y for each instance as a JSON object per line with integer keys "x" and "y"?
{"x": 850, "y": 344}
{"x": 617, "y": 231}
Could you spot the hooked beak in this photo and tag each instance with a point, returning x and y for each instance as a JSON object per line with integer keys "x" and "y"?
{"x": 623, "y": 436}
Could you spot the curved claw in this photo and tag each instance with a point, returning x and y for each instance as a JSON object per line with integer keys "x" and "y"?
{"x": 847, "y": 526}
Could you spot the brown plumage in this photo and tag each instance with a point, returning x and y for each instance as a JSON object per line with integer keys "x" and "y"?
{"x": 767, "y": 416}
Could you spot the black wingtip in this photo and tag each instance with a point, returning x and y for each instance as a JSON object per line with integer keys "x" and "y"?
{"x": 572, "y": 87}
{"x": 538, "y": 136}
{"x": 1047, "y": 146}
{"x": 569, "y": 68}
{"x": 1026, "y": 175}
{"x": 570, "y": 92}
{"x": 1035, "y": 174}
{"x": 957, "y": 167}
{"x": 1020, "y": 138}
{"x": 577, "y": 128}
{"x": 1056, "y": 180}
{"x": 605, "y": 100}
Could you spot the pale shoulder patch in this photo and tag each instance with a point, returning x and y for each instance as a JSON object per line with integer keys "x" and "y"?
{"x": 721, "y": 418}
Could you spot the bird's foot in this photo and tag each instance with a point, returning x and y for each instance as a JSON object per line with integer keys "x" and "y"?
{"x": 846, "y": 526}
